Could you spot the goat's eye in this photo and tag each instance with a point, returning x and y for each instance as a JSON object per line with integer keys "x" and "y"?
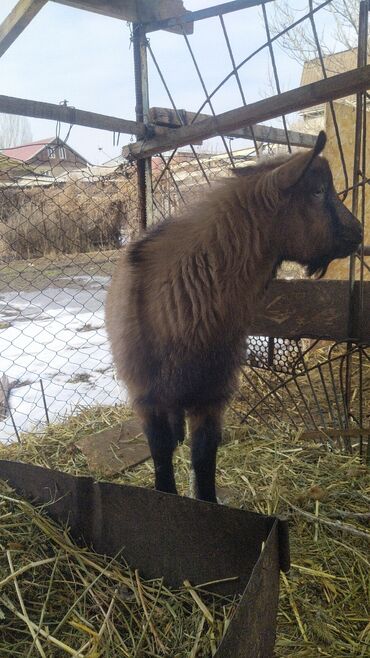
{"x": 319, "y": 192}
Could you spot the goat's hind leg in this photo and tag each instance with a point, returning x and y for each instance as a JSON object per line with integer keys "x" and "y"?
{"x": 157, "y": 428}
{"x": 205, "y": 427}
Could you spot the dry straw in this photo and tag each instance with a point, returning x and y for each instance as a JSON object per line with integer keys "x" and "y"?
{"x": 59, "y": 600}
{"x": 69, "y": 218}
{"x": 324, "y": 600}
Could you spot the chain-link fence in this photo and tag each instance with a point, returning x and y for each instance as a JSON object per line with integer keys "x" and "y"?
{"x": 60, "y": 230}
{"x": 62, "y": 223}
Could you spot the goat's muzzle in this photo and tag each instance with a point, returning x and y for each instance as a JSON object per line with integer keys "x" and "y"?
{"x": 348, "y": 230}
{"x": 349, "y": 239}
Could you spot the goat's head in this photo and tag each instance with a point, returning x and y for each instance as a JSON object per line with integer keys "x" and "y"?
{"x": 313, "y": 226}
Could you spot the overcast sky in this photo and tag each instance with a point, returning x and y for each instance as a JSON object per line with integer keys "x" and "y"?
{"x": 85, "y": 58}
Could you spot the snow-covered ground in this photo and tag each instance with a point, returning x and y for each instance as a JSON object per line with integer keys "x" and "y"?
{"x": 57, "y": 336}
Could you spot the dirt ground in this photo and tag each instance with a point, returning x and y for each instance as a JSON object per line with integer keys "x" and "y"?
{"x": 41, "y": 273}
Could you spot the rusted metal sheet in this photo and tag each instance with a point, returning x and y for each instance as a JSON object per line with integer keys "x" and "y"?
{"x": 176, "y": 538}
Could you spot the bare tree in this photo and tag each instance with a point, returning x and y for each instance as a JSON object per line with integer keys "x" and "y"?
{"x": 14, "y": 130}
{"x": 336, "y": 32}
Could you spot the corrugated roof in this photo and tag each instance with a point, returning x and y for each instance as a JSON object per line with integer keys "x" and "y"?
{"x": 26, "y": 152}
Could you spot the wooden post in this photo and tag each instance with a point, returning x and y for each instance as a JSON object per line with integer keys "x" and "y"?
{"x": 18, "y": 19}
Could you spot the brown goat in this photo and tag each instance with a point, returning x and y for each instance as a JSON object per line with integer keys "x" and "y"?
{"x": 182, "y": 297}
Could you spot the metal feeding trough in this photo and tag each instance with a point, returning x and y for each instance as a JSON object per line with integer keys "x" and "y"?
{"x": 175, "y": 538}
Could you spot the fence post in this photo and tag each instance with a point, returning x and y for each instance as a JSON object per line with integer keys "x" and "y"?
{"x": 358, "y": 173}
{"x": 144, "y": 166}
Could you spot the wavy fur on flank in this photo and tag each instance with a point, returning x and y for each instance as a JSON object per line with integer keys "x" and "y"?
{"x": 182, "y": 297}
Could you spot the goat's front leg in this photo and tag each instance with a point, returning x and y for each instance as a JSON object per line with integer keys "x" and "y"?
{"x": 161, "y": 441}
{"x": 205, "y": 427}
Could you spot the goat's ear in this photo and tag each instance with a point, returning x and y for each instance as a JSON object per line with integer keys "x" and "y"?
{"x": 291, "y": 172}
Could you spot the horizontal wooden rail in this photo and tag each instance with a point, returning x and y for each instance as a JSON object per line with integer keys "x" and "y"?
{"x": 313, "y": 309}
{"x": 70, "y": 115}
{"x": 201, "y": 14}
{"x": 297, "y": 99}
{"x": 167, "y": 117}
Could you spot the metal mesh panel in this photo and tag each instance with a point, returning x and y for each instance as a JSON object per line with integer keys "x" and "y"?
{"x": 61, "y": 226}
{"x": 59, "y": 235}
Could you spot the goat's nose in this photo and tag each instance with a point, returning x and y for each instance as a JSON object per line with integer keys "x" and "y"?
{"x": 359, "y": 231}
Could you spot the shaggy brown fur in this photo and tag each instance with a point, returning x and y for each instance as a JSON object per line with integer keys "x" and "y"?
{"x": 183, "y": 295}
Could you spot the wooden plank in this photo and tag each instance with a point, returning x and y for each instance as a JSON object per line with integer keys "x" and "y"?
{"x": 124, "y": 10}
{"x": 312, "y": 309}
{"x": 361, "y": 303}
{"x": 115, "y": 449}
{"x": 201, "y": 14}
{"x": 18, "y": 19}
{"x": 5, "y": 388}
{"x": 162, "y": 116}
{"x": 337, "y": 86}
{"x": 319, "y": 435}
{"x": 70, "y": 115}
{"x": 135, "y": 11}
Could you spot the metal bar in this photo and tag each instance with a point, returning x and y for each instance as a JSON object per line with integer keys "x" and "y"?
{"x": 6, "y": 403}
{"x": 325, "y": 389}
{"x": 44, "y": 402}
{"x": 274, "y": 68}
{"x": 264, "y": 45}
{"x": 334, "y": 387}
{"x": 206, "y": 93}
{"x": 363, "y": 249}
{"x": 236, "y": 74}
{"x": 264, "y": 400}
{"x": 331, "y": 104}
{"x": 360, "y": 109}
{"x": 274, "y": 392}
{"x": 315, "y": 398}
{"x": 179, "y": 117}
{"x": 144, "y": 178}
{"x": 309, "y": 95}
{"x": 201, "y": 14}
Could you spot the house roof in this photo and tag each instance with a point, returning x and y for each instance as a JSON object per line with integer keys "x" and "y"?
{"x": 26, "y": 152}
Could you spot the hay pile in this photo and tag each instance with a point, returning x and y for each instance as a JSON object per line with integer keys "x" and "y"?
{"x": 75, "y": 217}
{"x": 324, "y": 600}
{"x": 59, "y": 600}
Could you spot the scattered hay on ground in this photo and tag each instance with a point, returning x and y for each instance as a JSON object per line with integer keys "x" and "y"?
{"x": 324, "y": 601}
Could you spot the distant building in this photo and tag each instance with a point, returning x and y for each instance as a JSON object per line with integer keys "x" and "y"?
{"x": 313, "y": 118}
{"x": 45, "y": 156}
